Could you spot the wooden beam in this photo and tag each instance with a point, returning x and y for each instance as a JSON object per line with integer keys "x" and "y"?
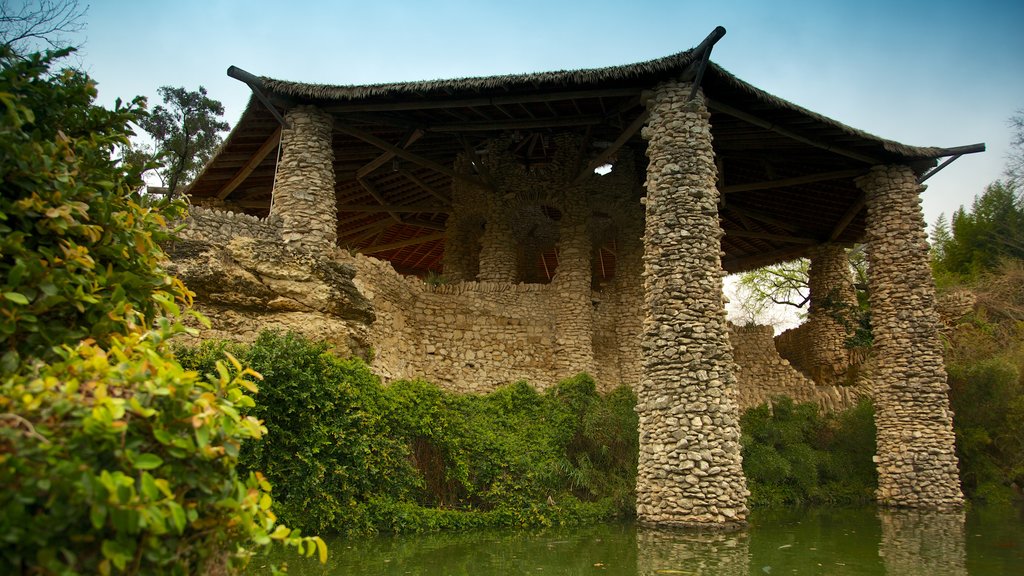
{"x": 795, "y": 181}
{"x": 403, "y": 243}
{"x": 610, "y": 151}
{"x": 746, "y": 117}
{"x": 489, "y": 125}
{"x": 396, "y": 208}
{"x": 772, "y": 237}
{"x": 484, "y": 101}
{"x": 246, "y": 169}
{"x": 373, "y": 192}
{"x": 429, "y": 190}
{"x": 379, "y": 161}
{"x": 734, "y": 265}
{"x": 848, "y": 217}
{"x": 376, "y": 225}
{"x": 762, "y": 217}
{"x": 420, "y": 223}
{"x": 406, "y": 155}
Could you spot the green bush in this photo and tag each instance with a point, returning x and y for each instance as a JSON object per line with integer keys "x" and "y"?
{"x": 80, "y": 256}
{"x": 113, "y": 458}
{"x": 348, "y": 455}
{"x": 794, "y": 455}
{"x": 988, "y": 404}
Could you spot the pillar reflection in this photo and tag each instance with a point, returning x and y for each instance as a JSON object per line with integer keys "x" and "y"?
{"x": 663, "y": 551}
{"x": 926, "y": 543}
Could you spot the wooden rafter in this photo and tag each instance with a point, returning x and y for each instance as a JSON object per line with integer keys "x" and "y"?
{"x": 246, "y": 169}
{"x": 848, "y": 217}
{"x": 762, "y": 217}
{"x": 396, "y": 208}
{"x": 373, "y": 192}
{"x": 747, "y": 117}
{"x": 771, "y": 237}
{"x": 495, "y": 125}
{"x": 379, "y": 161}
{"x": 403, "y": 243}
{"x": 614, "y": 148}
{"x": 784, "y": 182}
{"x": 406, "y": 155}
{"x": 763, "y": 259}
{"x": 423, "y": 185}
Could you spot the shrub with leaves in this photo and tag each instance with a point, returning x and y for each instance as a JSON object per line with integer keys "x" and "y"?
{"x": 794, "y": 455}
{"x": 113, "y": 458}
{"x": 349, "y": 455}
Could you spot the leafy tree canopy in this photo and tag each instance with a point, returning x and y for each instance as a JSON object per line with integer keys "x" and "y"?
{"x": 186, "y": 130}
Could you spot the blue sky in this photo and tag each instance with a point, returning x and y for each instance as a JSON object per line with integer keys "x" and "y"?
{"x": 939, "y": 73}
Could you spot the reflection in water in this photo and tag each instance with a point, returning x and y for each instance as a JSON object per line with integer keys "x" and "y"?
{"x": 837, "y": 542}
{"x": 687, "y": 552}
{"x": 916, "y": 542}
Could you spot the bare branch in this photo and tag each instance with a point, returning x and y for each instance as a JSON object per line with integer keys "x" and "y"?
{"x": 40, "y": 24}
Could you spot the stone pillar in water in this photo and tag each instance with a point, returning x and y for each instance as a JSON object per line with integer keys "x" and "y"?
{"x": 690, "y": 471}
{"x": 304, "y": 189}
{"x": 917, "y": 465}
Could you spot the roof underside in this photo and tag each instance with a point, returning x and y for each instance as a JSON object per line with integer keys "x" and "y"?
{"x": 786, "y": 174}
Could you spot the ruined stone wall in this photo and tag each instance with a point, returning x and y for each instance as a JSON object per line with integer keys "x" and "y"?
{"x": 917, "y": 465}
{"x": 689, "y": 470}
{"x": 465, "y": 337}
{"x": 763, "y": 374}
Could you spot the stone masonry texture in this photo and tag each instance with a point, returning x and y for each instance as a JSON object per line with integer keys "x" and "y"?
{"x": 304, "y": 190}
{"x": 820, "y": 351}
{"x": 917, "y": 465}
{"x": 690, "y": 471}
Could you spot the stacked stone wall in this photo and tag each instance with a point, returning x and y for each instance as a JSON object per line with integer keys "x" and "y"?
{"x": 763, "y": 374}
{"x": 689, "y": 470}
{"x": 220, "y": 226}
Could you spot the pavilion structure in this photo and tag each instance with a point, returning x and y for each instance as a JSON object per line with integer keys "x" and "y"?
{"x": 658, "y": 178}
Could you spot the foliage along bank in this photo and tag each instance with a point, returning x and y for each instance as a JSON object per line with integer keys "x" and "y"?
{"x": 348, "y": 455}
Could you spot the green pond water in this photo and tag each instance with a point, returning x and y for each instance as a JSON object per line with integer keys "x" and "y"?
{"x": 814, "y": 541}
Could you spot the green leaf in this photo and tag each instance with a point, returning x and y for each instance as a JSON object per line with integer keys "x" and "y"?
{"x": 177, "y": 515}
{"x": 97, "y": 515}
{"x": 16, "y": 297}
{"x": 148, "y": 461}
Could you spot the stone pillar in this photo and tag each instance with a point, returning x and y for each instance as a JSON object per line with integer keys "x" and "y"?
{"x": 629, "y": 287}
{"x": 304, "y": 191}
{"x": 831, "y": 316}
{"x": 574, "y": 317}
{"x": 917, "y": 465}
{"x": 690, "y": 470}
{"x": 463, "y": 229}
{"x": 498, "y": 251}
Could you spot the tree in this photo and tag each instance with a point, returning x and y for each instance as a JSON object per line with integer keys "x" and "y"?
{"x": 26, "y": 25}
{"x": 186, "y": 131}
{"x": 113, "y": 458}
{"x": 764, "y": 291}
{"x": 993, "y": 229}
{"x": 1015, "y": 158}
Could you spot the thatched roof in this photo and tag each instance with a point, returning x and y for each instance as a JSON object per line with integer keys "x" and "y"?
{"x": 787, "y": 172}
